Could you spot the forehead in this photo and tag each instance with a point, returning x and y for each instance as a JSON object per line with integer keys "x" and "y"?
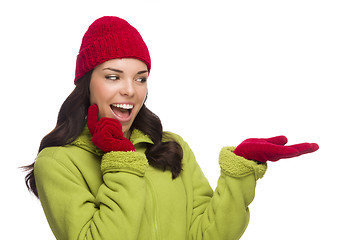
{"x": 123, "y": 64}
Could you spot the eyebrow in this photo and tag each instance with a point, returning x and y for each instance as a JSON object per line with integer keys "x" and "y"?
{"x": 119, "y": 71}
{"x": 113, "y": 69}
{"x": 144, "y": 71}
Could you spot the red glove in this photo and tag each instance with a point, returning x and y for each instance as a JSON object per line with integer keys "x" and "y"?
{"x": 272, "y": 149}
{"x": 107, "y": 132}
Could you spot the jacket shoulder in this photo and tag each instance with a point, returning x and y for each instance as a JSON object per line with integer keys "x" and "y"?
{"x": 59, "y": 153}
{"x": 169, "y": 136}
{"x": 69, "y": 157}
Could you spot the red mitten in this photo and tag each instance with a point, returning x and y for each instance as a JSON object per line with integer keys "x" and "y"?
{"x": 107, "y": 132}
{"x": 272, "y": 149}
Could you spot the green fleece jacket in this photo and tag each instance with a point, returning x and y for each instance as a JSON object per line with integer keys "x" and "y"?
{"x": 88, "y": 194}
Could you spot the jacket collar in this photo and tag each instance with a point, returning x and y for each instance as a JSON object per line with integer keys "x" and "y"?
{"x": 84, "y": 141}
{"x": 137, "y": 136}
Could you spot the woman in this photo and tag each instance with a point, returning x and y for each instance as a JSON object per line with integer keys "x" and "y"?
{"x": 107, "y": 171}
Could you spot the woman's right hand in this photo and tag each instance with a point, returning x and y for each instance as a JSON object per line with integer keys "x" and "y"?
{"x": 107, "y": 133}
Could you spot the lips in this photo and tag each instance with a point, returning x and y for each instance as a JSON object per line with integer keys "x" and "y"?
{"x": 122, "y": 111}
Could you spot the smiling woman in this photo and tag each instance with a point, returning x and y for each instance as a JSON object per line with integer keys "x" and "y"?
{"x": 108, "y": 171}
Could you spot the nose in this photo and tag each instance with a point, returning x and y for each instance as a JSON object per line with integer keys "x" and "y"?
{"x": 127, "y": 88}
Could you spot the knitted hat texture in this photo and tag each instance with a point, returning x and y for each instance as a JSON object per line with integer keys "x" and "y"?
{"x": 109, "y": 38}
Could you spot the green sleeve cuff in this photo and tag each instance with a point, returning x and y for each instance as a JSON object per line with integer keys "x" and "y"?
{"x": 236, "y": 166}
{"x": 132, "y": 162}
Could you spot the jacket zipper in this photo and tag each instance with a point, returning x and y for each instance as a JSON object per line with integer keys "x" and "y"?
{"x": 154, "y": 201}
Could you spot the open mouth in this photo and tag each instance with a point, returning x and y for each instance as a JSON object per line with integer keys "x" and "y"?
{"x": 122, "y": 112}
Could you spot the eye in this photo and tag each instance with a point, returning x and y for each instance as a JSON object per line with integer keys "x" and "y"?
{"x": 112, "y": 77}
{"x": 141, "y": 79}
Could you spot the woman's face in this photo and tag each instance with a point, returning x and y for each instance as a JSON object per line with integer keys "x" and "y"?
{"x": 119, "y": 88}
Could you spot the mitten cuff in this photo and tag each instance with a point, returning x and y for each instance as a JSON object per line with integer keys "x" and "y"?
{"x": 117, "y": 161}
{"x": 236, "y": 166}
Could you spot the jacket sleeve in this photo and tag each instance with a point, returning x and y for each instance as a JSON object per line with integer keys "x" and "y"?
{"x": 73, "y": 212}
{"x": 224, "y": 213}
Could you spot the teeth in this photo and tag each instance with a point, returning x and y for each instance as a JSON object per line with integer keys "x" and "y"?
{"x": 124, "y": 106}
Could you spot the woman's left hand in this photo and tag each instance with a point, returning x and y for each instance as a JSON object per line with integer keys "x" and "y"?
{"x": 272, "y": 149}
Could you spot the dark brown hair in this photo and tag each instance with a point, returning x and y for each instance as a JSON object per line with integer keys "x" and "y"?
{"x": 72, "y": 119}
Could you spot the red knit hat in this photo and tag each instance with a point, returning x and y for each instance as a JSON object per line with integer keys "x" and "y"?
{"x": 108, "y": 38}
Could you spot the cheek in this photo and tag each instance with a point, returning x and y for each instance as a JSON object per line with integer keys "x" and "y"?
{"x": 98, "y": 93}
{"x": 93, "y": 88}
{"x": 143, "y": 95}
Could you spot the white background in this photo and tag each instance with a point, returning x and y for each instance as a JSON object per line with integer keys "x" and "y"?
{"x": 222, "y": 71}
